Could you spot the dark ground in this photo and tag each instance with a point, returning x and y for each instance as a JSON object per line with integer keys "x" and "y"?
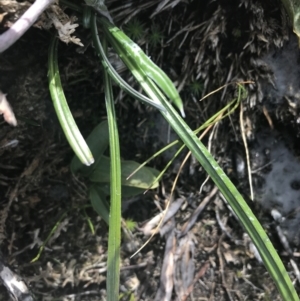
{"x": 214, "y": 259}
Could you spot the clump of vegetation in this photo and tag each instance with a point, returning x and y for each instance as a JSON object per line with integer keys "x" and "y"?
{"x": 196, "y": 88}
{"x": 130, "y": 224}
{"x": 208, "y": 50}
{"x": 134, "y": 29}
{"x": 155, "y": 36}
{"x": 98, "y": 173}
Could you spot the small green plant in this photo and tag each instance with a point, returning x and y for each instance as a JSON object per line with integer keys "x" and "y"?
{"x": 160, "y": 89}
{"x": 196, "y": 88}
{"x": 128, "y": 296}
{"x": 130, "y": 224}
{"x": 156, "y": 35}
{"x": 99, "y": 173}
{"x": 134, "y": 29}
{"x": 236, "y": 32}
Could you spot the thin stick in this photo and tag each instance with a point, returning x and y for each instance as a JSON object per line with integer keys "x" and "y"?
{"x": 246, "y": 151}
{"x": 224, "y": 86}
{"x": 10, "y": 36}
{"x": 269, "y": 119}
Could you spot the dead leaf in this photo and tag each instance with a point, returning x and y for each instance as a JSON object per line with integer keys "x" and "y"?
{"x": 64, "y": 24}
{"x": 2, "y": 16}
{"x": 6, "y": 110}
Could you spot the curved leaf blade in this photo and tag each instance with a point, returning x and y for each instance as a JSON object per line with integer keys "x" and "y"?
{"x": 63, "y": 112}
{"x": 98, "y": 142}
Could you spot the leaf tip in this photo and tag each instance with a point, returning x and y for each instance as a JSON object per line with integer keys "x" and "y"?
{"x": 182, "y": 113}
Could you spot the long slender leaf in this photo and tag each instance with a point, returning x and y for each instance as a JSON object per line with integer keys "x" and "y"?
{"x": 98, "y": 142}
{"x": 144, "y": 62}
{"x": 269, "y": 255}
{"x": 114, "y": 239}
{"x": 142, "y": 68}
{"x": 116, "y": 77}
{"x": 259, "y": 237}
{"x": 63, "y": 112}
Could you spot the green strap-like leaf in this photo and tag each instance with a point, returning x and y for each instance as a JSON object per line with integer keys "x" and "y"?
{"x": 116, "y": 77}
{"x": 98, "y": 142}
{"x": 259, "y": 237}
{"x": 269, "y": 255}
{"x": 114, "y": 238}
{"x": 139, "y": 61}
{"x": 63, "y": 112}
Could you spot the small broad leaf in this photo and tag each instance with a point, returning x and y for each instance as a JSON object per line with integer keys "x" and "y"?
{"x": 101, "y": 174}
{"x": 141, "y": 179}
{"x": 98, "y": 142}
{"x": 128, "y": 191}
{"x": 97, "y": 198}
{"x": 154, "y": 171}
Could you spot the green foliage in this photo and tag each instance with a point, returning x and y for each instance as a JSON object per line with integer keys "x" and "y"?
{"x": 156, "y": 35}
{"x": 98, "y": 200}
{"x": 236, "y": 32}
{"x": 130, "y": 224}
{"x": 134, "y": 29}
{"x": 62, "y": 109}
{"x": 155, "y": 83}
{"x": 152, "y": 79}
{"x": 99, "y": 173}
{"x": 196, "y": 88}
{"x": 97, "y": 141}
{"x": 293, "y": 9}
{"x": 128, "y": 296}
